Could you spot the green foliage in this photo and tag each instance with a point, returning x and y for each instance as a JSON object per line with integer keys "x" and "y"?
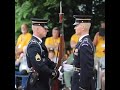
{"x": 50, "y": 2}
{"x": 49, "y": 9}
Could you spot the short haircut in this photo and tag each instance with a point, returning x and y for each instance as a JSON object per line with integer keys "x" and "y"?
{"x": 25, "y": 24}
{"x": 56, "y": 28}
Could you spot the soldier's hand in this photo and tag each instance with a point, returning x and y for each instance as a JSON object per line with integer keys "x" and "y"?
{"x": 55, "y": 74}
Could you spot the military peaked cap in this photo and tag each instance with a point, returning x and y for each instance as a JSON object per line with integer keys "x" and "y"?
{"x": 40, "y": 22}
{"x": 82, "y": 19}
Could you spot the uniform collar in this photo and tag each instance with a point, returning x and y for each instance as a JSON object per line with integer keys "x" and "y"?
{"x": 82, "y": 37}
{"x": 38, "y": 38}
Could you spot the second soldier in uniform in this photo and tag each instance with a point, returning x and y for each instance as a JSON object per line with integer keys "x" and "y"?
{"x": 37, "y": 59}
{"x": 83, "y": 76}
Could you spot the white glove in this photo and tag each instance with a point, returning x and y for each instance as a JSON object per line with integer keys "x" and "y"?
{"x": 60, "y": 74}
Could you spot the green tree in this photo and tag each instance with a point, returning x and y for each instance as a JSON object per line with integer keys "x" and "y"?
{"x": 49, "y": 9}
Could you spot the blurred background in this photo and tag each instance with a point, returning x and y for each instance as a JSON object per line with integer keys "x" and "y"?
{"x": 49, "y": 9}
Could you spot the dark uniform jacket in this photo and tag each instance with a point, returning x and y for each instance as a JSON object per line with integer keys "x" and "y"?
{"x": 37, "y": 58}
{"x": 84, "y": 62}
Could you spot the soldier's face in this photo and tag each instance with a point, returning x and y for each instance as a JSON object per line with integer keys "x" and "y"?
{"x": 78, "y": 28}
{"x": 43, "y": 31}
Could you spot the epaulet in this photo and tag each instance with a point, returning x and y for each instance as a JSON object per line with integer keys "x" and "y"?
{"x": 33, "y": 41}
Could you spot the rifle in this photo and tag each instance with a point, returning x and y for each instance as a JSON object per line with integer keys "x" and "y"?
{"x": 61, "y": 47}
{"x": 62, "y": 43}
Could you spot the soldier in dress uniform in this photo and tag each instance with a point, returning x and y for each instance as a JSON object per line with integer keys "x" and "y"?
{"x": 83, "y": 76}
{"x": 42, "y": 68}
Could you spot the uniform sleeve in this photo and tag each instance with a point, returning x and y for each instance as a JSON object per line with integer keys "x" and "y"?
{"x": 36, "y": 60}
{"x": 86, "y": 64}
{"x": 51, "y": 64}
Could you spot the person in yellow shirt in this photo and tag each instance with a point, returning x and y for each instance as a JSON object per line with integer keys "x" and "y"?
{"x": 73, "y": 41}
{"x": 22, "y": 40}
{"x": 99, "y": 42}
{"x": 54, "y": 40}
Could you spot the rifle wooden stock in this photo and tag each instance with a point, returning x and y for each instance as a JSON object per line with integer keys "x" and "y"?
{"x": 61, "y": 50}
{"x": 56, "y": 84}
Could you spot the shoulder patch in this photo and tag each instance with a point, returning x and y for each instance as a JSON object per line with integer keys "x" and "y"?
{"x": 37, "y": 57}
{"x": 84, "y": 44}
{"x": 85, "y": 40}
{"x": 33, "y": 41}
